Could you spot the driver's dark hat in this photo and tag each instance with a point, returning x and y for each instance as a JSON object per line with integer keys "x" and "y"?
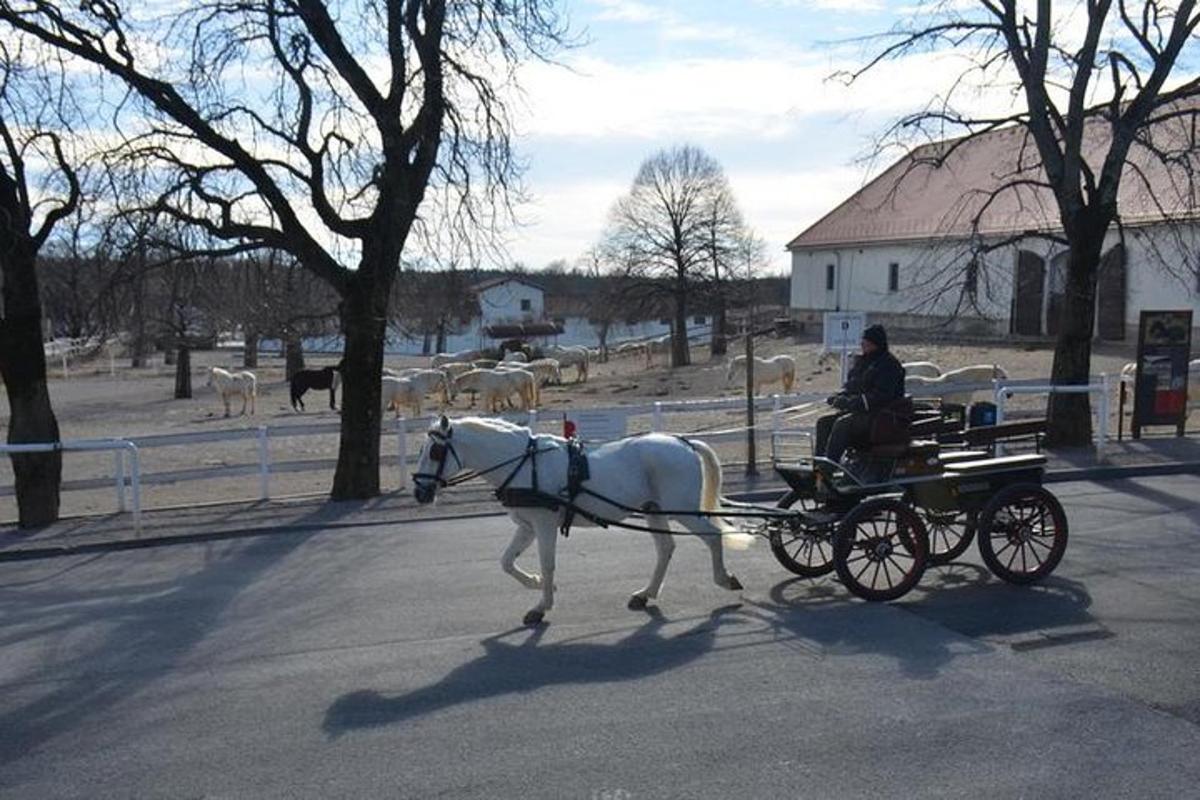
{"x": 877, "y": 335}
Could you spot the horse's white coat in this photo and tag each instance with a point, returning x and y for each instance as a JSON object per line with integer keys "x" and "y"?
{"x": 777, "y": 369}
{"x": 461, "y": 356}
{"x": 945, "y": 386}
{"x": 410, "y": 389}
{"x": 921, "y": 369}
{"x": 575, "y": 356}
{"x": 495, "y": 386}
{"x": 234, "y": 384}
{"x": 515, "y": 357}
{"x": 655, "y": 471}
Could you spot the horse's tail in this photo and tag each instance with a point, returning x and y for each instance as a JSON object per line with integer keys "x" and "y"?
{"x": 710, "y": 496}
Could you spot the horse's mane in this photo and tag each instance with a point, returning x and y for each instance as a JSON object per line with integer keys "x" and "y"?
{"x": 488, "y": 424}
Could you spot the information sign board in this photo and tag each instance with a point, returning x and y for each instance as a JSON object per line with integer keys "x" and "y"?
{"x": 1161, "y": 383}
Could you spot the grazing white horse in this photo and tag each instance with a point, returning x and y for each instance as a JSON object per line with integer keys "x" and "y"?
{"x": 575, "y": 356}
{"x": 495, "y": 386}
{"x": 651, "y": 472}
{"x": 921, "y": 369}
{"x": 234, "y": 384}
{"x": 449, "y": 358}
{"x": 946, "y": 386}
{"x": 661, "y": 345}
{"x": 777, "y": 369}
{"x": 546, "y": 369}
{"x": 412, "y": 388}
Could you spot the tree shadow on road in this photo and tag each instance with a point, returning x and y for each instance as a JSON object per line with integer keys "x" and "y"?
{"x": 150, "y": 627}
{"x": 516, "y": 662}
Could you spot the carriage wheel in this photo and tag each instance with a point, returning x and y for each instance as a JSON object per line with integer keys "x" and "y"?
{"x": 950, "y": 534}
{"x": 881, "y": 549}
{"x": 1022, "y": 533}
{"x": 806, "y": 550}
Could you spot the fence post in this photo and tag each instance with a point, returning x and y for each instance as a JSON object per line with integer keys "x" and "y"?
{"x": 264, "y": 465}
{"x": 656, "y": 421}
{"x": 135, "y": 485}
{"x": 1001, "y": 398}
{"x": 402, "y": 451}
{"x": 119, "y": 470}
{"x": 533, "y": 421}
{"x": 64, "y": 363}
{"x": 1102, "y": 428}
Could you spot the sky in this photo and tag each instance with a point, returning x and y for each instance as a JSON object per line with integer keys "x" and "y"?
{"x": 748, "y": 81}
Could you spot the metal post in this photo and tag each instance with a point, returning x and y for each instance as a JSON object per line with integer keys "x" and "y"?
{"x": 135, "y": 485}
{"x": 656, "y": 421}
{"x": 1102, "y": 428}
{"x": 64, "y": 362}
{"x": 119, "y": 470}
{"x": 402, "y": 451}
{"x": 1121, "y": 412}
{"x": 751, "y": 454}
{"x": 1001, "y": 397}
{"x": 533, "y": 421}
{"x": 264, "y": 465}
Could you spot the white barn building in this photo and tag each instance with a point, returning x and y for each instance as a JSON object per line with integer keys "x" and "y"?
{"x": 924, "y": 244}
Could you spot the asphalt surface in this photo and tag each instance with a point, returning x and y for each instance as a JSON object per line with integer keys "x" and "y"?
{"x": 390, "y": 662}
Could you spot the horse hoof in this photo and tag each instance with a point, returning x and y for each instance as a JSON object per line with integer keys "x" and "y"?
{"x": 534, "y": 617}
{"x": 734, "y": 584}
{"x": 636, "y": 603}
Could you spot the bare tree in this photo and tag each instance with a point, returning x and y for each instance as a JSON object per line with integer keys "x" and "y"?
{"x": 33, "y": 199}
{"x": 1094, "y": 81}
{"x": 353, "y": 112}
{"x": 672, "y": 224}
{"x": 610, "y": 274}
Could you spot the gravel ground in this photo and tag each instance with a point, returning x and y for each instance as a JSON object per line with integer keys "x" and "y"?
{"x": 94, "y": 403}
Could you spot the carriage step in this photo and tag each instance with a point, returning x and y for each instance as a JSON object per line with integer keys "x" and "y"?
{"x": 960, "y": 456}
{"x": 1002, "y": 464}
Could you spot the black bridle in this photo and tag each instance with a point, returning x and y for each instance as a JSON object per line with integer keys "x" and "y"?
{"x": 442, "y": 447}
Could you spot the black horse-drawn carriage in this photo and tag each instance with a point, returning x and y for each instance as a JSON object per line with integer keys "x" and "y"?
{"x": 917, "y": 499}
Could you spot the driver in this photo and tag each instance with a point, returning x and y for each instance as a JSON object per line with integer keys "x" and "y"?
{"x": 876, "y": 380}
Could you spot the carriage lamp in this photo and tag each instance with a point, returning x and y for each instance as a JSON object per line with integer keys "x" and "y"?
{"x": 568, "y": 428}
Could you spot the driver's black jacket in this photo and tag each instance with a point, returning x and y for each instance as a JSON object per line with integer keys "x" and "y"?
{"x": 874, "y": 383}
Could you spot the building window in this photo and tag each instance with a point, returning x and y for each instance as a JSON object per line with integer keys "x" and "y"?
{"x": 526, "y": 305}
{"x": 699, "y": 319}
{"x": 830, "y": 277}
{"x": 893, "y": 277}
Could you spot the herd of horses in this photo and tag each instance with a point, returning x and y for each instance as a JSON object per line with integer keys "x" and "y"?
{"x": 515, "y": 381}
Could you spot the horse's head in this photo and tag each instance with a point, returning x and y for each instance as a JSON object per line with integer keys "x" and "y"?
{"x": 434, "y": 468}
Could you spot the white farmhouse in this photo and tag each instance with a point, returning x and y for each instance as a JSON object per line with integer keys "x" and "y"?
{"x": 968, "y": 244}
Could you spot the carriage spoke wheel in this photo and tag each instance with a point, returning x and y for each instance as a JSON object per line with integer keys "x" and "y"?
{"x": 801, "y": 548}
{"x": 950, "y": 534}
{"x": 1022, "y": 533}
{"x": 881, "y": 549}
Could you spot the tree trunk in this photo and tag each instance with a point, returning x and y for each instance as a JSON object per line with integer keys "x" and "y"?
{"x": 440, "y": 346}
{"x": 1069, "y": 418}
{"x": 138, "y": 331}
{"x": 183, "y": 372}
{"x": 293, "y": 355}
{"x": 250, "y": 349}
{"x": 680, "y": 353}
{"x": 363, "y": 326}
{"x": 37, "y": 476}
{"x": 719, "y": 345}
{"x": 602, "y": 335}
{"x": 426, "y": 343}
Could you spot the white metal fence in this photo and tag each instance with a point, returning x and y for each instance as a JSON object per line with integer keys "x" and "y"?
{"x": 791, "y": 420}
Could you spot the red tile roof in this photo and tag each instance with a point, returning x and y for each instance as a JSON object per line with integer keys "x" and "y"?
{"x": 913, "y": 200}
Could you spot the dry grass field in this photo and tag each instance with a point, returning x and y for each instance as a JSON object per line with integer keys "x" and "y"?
{"x": 92, "y": 403}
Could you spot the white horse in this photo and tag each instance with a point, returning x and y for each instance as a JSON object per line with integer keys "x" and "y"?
{"x": 777, "y": 369}
{"x": 515, "y": 357}
{"x": 575, "y": 356}
{"x": 651, "y": 472}
{"x": 947, "y": 385}
{"x": 661, "y": 345}
{"x": 234, "y": 384}
{"x": 411, "y": 389}
{"x": 449, "y": 358}
{"x": 547, "y": 370}
{"x": 921, "y": 369}
{"x": 495, "y": 386}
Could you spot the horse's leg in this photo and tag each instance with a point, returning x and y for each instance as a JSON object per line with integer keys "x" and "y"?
{"x": 547, "y": 539}
{"x": 664, "y": 543}
{"x": 522, "y": 538}
{"x": 245, "y": 400}
{"x": 710, "y": 534}
{"x": 225, "y": 400}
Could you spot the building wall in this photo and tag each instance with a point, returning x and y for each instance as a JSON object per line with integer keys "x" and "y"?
{"x": 1161, "y": 266}
{"x": 502, "y": 303}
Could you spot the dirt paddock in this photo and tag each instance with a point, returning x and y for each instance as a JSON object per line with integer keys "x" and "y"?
{"x": 93, "y": 403}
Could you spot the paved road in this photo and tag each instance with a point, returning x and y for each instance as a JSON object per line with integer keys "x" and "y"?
{"x": 387, "y": 662}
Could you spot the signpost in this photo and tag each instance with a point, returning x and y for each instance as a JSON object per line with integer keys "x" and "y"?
{"x": 1161, "y": 383}
{"x": 843, "y": 333}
